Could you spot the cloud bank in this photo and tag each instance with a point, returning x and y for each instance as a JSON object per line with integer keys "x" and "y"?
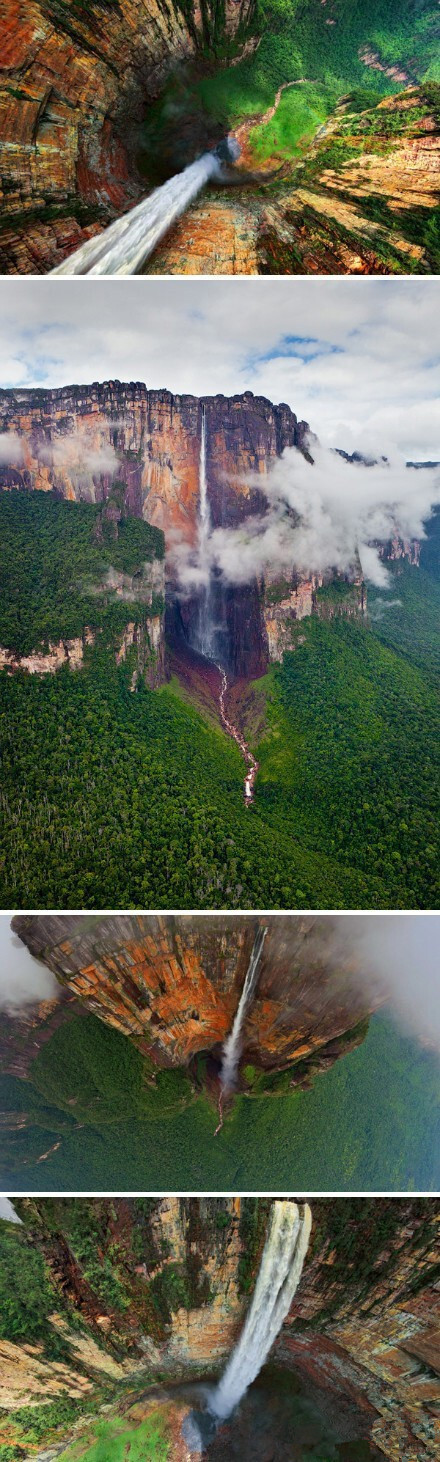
{"x": 327, "y": 515}
{"x": 398, "y": 955}
{"x": 23, "y": 980}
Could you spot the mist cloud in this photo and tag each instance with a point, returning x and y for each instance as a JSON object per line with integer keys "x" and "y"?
{"x": 23, "y": 980}
{"x": 76, "y": 453}
{"x": 7, "y": 1212}
{"x": 322, "y": 516}
{"x": 397, "y": 956}
{"x": 11, "y": 450}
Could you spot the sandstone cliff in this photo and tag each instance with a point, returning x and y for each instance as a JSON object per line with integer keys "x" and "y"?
{"x": 172, "y": 984}
{"x": 155, "y": 437}
{"x": 76, "y": 82}
{"x": 138, "y": 1289}
{"x": 362, "y": 197}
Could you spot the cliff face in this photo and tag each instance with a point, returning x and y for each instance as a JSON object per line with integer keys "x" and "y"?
{"x": 155, "y": 437}
{"x": 76, "y": 82}
{"x": 362, "y": 195}
{"x": 138, "y": 1289}
{"x": 173, "y": 983}
{"x": 147, "y": 639}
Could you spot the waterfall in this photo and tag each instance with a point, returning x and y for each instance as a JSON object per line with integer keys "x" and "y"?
{"x": 203, "y": 487}
{"x": 205, "y": 631}
{"x": 233, "y": 1043}
{"x": 126, "y": 244}
{"x": 279, "y": 1275}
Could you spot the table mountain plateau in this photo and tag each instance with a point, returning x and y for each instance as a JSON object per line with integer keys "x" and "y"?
{"x": 172, "y": 985}
{"x": 154, "y": 439}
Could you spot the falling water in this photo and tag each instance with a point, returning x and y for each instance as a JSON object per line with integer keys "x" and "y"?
{"x": 233, "y": 1043}
{"x": 205, "y": 631}
{"x": 126, "y": 244}
{"x": 278, "y": 1279}
{"x": 279, "y": 1275}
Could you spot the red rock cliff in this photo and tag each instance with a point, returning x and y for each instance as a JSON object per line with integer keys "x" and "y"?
{"x": 172, "y": 983}
{"x": 76, "y": 82}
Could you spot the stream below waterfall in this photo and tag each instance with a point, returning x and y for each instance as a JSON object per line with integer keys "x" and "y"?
{"x": 251, "y": 763}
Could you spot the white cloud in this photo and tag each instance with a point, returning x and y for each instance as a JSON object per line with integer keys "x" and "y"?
{"x": 7, "y": 1212}
{"x": 321, "y": 516}
{"x": 23, "y": 979}
{"x": 371, "y": 377}
{"x": 397, "y": 957}
{"x": 11, "y": 450}
{"x": 76, "y": 453}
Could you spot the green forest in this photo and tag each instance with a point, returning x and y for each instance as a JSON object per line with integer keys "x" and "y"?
{"x": 114, "y": 798}
{"x": 300, "y": 40}
{"x": 54, "y": 559}
{"x": 370, "y": 1122}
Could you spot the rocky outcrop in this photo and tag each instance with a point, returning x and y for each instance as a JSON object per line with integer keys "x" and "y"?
{"x": 354, "y": 195}
{"x": 146, "y": 639}
{"x": 142, "y": 1289}
{"x": 47, "y": 661}
{"x": 172, "y": 983}
{"x": 77, "y": 82}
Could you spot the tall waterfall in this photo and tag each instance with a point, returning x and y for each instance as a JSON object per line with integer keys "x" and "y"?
{"x": 233, "y": 1043}
{"x": 205, "y": 630}
{"x": 126, "y": 244}
{"x": 280, "y": 1272}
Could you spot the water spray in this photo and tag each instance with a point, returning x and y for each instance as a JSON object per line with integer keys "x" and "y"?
{"x": 126, "y": 244}
{"x": 277, "y": 1281}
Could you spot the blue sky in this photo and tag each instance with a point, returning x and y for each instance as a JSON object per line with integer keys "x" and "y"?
{"x": 358, "y": 359}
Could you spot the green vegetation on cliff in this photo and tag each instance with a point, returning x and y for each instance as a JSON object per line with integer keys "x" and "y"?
{"x": 302, "y": 39}
{"x": 116, "y": 1440}
{"x": 54, "y": 560}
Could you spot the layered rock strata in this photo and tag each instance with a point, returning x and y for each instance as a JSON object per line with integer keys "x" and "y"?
{"x": 155, "y": 438}
{"x": 362, "y": 1332}
{"x": 172, "y": 983}
{"x": 76, "y": 83}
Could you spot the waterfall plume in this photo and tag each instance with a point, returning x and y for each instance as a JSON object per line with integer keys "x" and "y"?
{"x": 278, "y": 1279}
{"x": 127, "y": 243}
{"x": 205, "y": 632}
{"x": 233, "y": 1043}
